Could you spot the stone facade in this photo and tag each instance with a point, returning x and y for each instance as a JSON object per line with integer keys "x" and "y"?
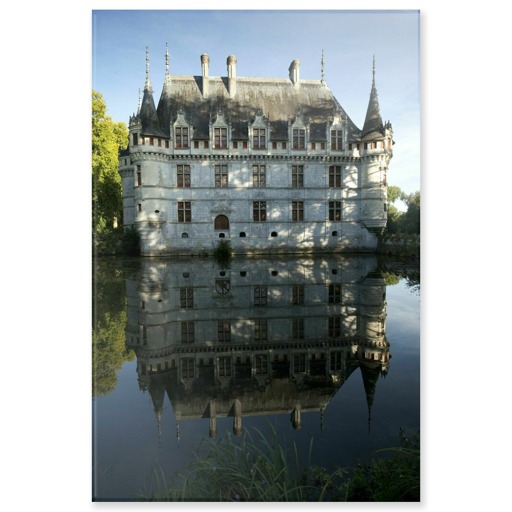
{"x": 270, "y": 165}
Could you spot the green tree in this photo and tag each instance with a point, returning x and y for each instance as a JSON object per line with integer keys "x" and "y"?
{"x": 410, "y": 220}
{"x": 108, "y": 137}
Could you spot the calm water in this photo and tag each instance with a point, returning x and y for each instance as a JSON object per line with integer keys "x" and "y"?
{"x": 323, "y": 348}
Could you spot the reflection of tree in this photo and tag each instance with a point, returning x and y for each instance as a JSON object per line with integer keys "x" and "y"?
{"x": 109, "y": 323}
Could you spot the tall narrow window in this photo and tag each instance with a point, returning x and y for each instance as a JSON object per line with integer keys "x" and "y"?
{"x": 151, "y": 141}
{"x": 183, "y": 176}
{"x": 298, "y": 328}
{"x": 259, "y": 211}
{"x": 260, "y": 295}
{"x": 184, "y": 211}
{"x": 297, "y": 211}
{"x": 334, "y": 210}
{"x": 335, "y": 361}
{"x": 297, "y": 294}
{"x": 334, "y": 327}
{"x": 258, "y": 138}
{"x": 135, "y": 139}
{"x": 220, "y": 138}
{"x": 335, "y": 176}
{"x": 259, "y": 176}
{"x": 186, "y": 298}
{"x": 260, "y": 329}
{"x": 297, "y": 176}
{"x": 181, "y": 137}
{"x": 187, "y": 368}
{"x": 223, "y": 330}
{"x": 298, "y": 138}
{"x": 187, "y": 332}
{"x": 335, "y": 293}
{"x": 261, "y": 362}
{"x": 224, "y": 366}
{"x": 139, "y": 176}
{"x": 221, "y": 176}
{"x": 299, "y": 363}
{"x": 336, "y": 140}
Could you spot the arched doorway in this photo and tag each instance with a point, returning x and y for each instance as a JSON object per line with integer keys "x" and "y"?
{"x": 221, "y": 222}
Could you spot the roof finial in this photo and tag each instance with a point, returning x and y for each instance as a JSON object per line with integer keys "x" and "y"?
{"x": 323, "y": 70}
{"x": 373, "y": 80}
{"x": 147, "y": 86}
{"x": 166, "y": 60}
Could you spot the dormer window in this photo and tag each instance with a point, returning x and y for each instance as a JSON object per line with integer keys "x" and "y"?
{"x": 220, "y": 138}
{"x": 337, "y": 140}
{"x": 259, "y": 138}
{"x": 181, "y": 137}
{"x": 298, "y": 138}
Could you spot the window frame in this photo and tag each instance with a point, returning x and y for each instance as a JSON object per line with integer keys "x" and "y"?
{"x": 220, "y": 137}
{"x": 184, "y": 211}
{"x": 181, "y": 137}
{"x": 221, "y": 176}
{"x": 259, "y": 176}
{"x": 298, "y": 139}
{"x": 183, "y": 176}
{"x": 259, "y": 211}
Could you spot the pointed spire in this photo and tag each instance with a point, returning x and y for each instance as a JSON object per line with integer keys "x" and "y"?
{"x": 147, "y": 85}
{"x": 373, "y": 122}
{"x": 323, "y": 69}
{"x": 140, "y": 103}
{"x": 166, "y": 60}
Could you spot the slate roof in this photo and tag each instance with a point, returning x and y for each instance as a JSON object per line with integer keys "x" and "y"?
{"x": 277, "y": 98}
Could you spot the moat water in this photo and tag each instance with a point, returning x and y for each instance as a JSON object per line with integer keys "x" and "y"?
{"x": 323, "y": 350}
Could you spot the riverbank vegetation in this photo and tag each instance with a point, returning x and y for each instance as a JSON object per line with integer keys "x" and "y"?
{"x": 257, "y": 469}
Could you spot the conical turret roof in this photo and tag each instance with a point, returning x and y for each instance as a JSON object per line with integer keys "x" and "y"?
{"x": 373, "y": 126}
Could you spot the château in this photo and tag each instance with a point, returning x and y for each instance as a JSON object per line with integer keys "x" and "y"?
{"x": 272, "y": 165}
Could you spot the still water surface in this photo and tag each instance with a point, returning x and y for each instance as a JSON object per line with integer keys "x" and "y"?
{"x": 324, "y": 349}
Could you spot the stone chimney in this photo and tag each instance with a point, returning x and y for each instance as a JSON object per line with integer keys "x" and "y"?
{"x": 205, "y": 70}
{"x": 294, "y": 71}
{"x": 231, "y": 62}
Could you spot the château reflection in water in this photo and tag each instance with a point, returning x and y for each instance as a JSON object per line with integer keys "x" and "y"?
{"x": 257, "y": 337}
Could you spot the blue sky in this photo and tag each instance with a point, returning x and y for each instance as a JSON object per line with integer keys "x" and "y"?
{"x": 349, "y": 40}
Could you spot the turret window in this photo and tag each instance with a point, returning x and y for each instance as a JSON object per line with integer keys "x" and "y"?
{"x": 135, "y": 139}
{"x": 139, "y": 176}
{"x": 181, "y": 140}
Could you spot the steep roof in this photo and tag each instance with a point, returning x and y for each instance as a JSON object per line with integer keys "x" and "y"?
{"x": 373, "y": 126}
{"x": 278, "y": 99}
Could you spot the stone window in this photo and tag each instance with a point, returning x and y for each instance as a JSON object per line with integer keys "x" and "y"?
{"x": 334, "y": 327}
{"x": 299, "y": 363}
{"x": 224, "y": 366}
{"x": 184, "y": 211}
{"x": 335, "y": 293}
{"x": 260, "y": 329}
{"x": 187, "y": 332}
{"x": 298, "y": 138}
{"x": 183, "y": 176}
{"x": 259, "y": 138}
{"x": 259, "y": 211}
{"x": 337, "y": 140}
{"x": 334, "y": 176}
{"x": 298, "y": 328}
{"x": 167, "y": 144}
{"x": 139, "y": 176}
{"x": 235, "y": 144}
{"x": 223, "y": 330}
{"x": 221, "y": 176}
{"x": 297, "y": 294}
{"x": 139, "y": 207}
{"x": 334, "y": 210}
{"x": 135, "y": 139}
{"x": 274, "y": 145}
{"x": 297, "y": 176}
{"x": 187, "y": 298}
{"x": 261, "y": 362}
{"x": 181, "y": 140}
{"x": 151, "y": 141}
{"x": 196, "y": 144}
{"x": 297, "y": 211}
{"x": 260, "y": 295}
{"x": 259, "y": 176}
{"x": 187, "y": 368}
{"x": 220, "y": 138}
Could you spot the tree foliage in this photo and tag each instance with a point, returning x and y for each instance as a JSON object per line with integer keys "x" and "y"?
{"x": 407, "y": 222}
{"x": 108, "y": 137}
